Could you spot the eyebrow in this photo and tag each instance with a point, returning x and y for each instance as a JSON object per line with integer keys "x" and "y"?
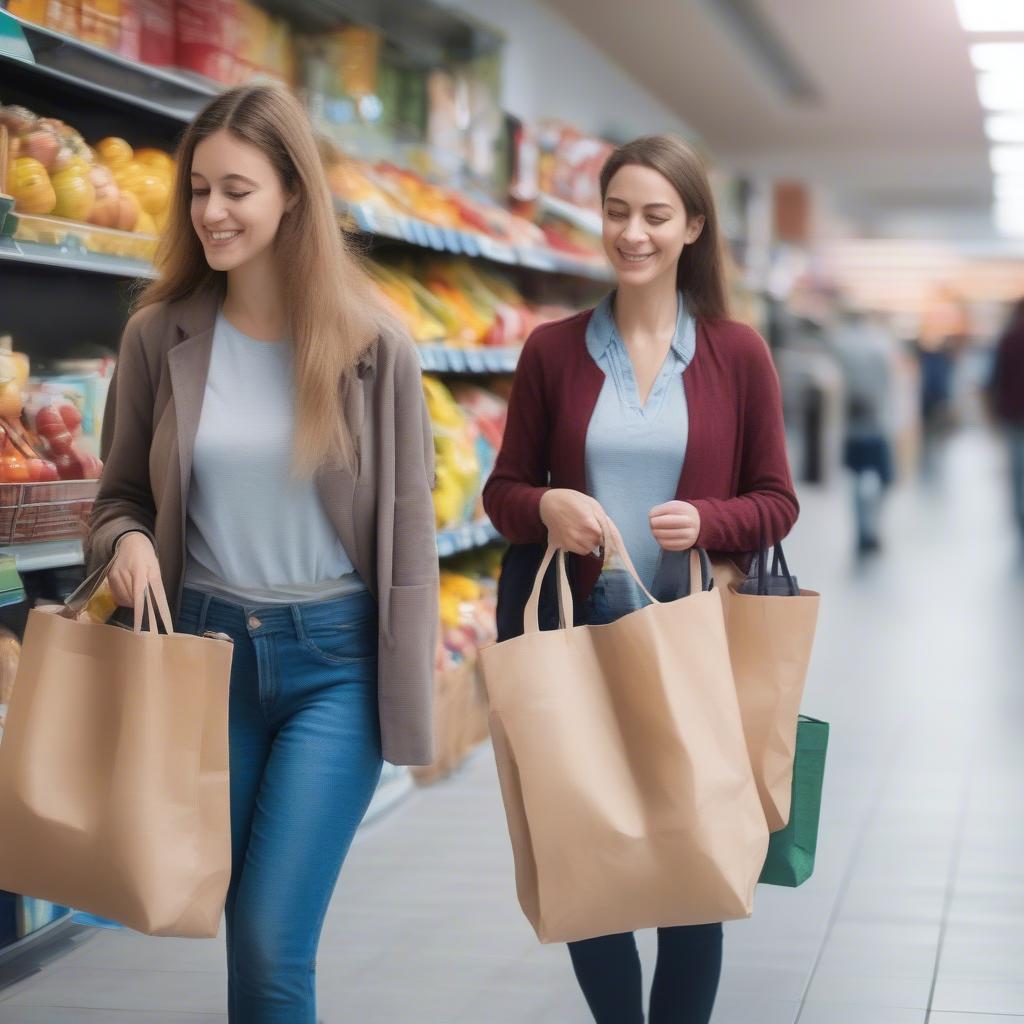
{"x": 649, "y": 206}
{"x": 230, "y": 177}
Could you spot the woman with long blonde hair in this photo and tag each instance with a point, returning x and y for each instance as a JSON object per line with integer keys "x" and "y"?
{"x": 268, "y": 461}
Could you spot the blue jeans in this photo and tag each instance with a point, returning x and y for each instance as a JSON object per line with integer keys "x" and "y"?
{"x": 305, "y": 760}
{"x": 689, "y": 956}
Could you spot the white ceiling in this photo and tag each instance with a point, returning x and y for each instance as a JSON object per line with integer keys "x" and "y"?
{"x": 895, "y": 134}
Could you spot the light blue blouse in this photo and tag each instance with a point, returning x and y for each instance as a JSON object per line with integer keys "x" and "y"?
{"x": 634, "y": 452}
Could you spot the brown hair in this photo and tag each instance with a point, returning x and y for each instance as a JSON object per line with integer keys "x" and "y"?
{"x": 701, "y": 273}
{"x": 334, "y": 311}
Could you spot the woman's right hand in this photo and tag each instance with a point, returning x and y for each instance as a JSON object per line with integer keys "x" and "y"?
{"x": 134, "y": 568}
{"x": 575, "y": 521}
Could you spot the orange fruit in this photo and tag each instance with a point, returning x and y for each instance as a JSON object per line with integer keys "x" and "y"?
{"x": 114, "y": 152}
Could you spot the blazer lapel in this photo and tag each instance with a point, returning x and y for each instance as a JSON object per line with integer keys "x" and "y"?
{"x": 189, "y": 364}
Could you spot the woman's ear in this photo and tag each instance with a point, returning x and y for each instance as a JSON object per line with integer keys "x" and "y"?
{"x": 292, "y": 202}
{"x": 694, "y": 226}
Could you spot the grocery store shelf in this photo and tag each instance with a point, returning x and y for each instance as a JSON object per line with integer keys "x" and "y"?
{"x": 93, "y": 69}
{"x": 586, "y": 220}
{"x": 441, "y": 359}
{"x": 50, "y": 554}
{"x": 427, "y": 33}
{"x": 467, "y": 537}
{"x": 72, "y": 256}
{"x": 401, "y": 228}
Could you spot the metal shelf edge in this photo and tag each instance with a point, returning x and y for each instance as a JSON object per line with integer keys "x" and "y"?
{"x": 47, "y": 554}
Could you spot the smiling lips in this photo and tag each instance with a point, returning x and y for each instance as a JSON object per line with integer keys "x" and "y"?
{"x": 222, "y": 237}
{"x": 635, "y": 257}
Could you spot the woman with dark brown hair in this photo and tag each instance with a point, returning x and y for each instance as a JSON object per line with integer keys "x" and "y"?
{"x": 656, "y": 411}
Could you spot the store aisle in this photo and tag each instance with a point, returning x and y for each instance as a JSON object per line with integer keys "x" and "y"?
{"x": 919, "y": 892}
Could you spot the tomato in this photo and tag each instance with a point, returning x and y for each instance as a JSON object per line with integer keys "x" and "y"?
{"x": 70, "y": 415}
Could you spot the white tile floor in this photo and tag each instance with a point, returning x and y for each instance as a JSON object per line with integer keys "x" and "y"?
{"x": 915, "y": 913}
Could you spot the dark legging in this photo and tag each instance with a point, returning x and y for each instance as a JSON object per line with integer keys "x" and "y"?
{"x": 685, "y": 978}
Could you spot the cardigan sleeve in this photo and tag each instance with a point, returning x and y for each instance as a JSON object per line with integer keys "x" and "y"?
{"x": 766, "y": 507}
{"x": 519, "y": 479}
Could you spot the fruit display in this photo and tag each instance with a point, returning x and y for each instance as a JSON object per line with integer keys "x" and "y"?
{"x": 469, "y": 603}
{"x": 52, "y": 428}
{"x": 390, "y": 190}
{"x": 458, "y": 469}
{"x": 485, "y": 408}
{"x": 460, "y": 303}
{"x": 54, "y": 174}
{"x": 468, "y": 424}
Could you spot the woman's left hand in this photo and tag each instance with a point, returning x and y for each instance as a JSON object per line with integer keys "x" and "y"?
{"x": 675, "y": 525}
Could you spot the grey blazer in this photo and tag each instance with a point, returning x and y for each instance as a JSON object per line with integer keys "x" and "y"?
{"x": 383, "y": 511}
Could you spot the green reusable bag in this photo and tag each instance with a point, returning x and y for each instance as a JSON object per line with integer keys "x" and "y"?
{"x": 790, "y": 859}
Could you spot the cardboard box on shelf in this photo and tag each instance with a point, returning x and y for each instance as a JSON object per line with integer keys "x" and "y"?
{"x": 207, "y": 33}
{"x": 101, "y": 23}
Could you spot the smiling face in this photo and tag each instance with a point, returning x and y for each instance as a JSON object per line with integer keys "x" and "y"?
{"x": 645, "y": 226}
{"x": 238, "y": 200}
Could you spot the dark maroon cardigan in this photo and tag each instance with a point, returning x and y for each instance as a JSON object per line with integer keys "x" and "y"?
{"x": 736, "y": 472}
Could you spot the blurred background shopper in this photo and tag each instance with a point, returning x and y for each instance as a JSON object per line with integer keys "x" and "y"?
{"x": 657, "y": 410}
{"x": 1006, "y": 393}
{"x": 866, "y": 352}
{"x": 259, "y": 387}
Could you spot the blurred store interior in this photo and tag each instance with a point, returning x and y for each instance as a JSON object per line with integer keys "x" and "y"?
{"x": 868, "y": 162}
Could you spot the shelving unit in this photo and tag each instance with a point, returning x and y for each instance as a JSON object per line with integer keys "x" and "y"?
{"x": 466, "y": 538}
{"x": 50, "y": 554}
{"x": 92, "y": 69}
{"x": 72, "y": 256}
{"x": 419, "y": 233}
{"x": 75, "y": 79}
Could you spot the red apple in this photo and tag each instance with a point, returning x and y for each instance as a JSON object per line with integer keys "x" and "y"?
{"x": 35, "y": 470}
{"x": 92, "y": 467}
{"x": 60, "y": 442}
{"x": 71, "y": 416}
{"x": 49, "y": 421}
{"x": 48, "y": 472}
{"x": 69, "y": 465}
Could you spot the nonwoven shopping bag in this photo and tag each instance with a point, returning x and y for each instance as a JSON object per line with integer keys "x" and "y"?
{"x": 791, "y": 851}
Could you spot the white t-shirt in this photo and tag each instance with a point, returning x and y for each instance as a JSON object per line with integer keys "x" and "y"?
{"x": 255, "y": 534}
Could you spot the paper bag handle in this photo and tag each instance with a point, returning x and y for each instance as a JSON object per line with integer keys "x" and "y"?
{"x": 613, "y": 541}
{"x": 86, "y": 590}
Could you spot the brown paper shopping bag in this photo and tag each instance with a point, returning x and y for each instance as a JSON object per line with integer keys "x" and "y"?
{"x": 770, "y": 623}
{"x": 627, "y": 786}
{"x": 114, "y": 772}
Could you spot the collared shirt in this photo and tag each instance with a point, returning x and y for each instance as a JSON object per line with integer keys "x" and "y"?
{"x": 635, "y": 451}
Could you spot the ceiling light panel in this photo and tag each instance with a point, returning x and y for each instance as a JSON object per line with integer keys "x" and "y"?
{"x": 991, "y": 15}
{"x": 1007, "y": 159}
{"x": 997, "y": 56}
{"x": 1005, "y": 127}
{"x": 1008, "y": 187}
{"x": 1002, "y": 90}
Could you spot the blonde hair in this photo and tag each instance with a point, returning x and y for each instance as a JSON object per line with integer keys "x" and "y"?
{"x": 334, "y": 311}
